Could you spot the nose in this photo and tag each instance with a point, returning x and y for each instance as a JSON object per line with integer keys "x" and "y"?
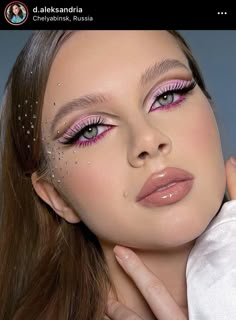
{"x": 147, "y": 142}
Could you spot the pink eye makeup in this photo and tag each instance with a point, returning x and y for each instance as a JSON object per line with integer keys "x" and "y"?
{"x": 91, "y": 129}
{"x": 170, "y": 94}
{"x": 86, "y": 131}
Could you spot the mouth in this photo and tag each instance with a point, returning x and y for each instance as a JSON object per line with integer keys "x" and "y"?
{"x": 165, "y": 187}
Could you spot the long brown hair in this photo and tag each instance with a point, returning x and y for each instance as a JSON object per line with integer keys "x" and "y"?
{"x": 49, "y": 269}
{"x": 11, "y": 13}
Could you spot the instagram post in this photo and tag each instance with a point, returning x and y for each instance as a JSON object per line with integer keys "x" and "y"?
{"x": 117, "y": 163}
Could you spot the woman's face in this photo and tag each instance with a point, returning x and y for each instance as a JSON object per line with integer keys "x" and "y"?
{"x": 15, "y": 9}
{"x": 134, "y": 93}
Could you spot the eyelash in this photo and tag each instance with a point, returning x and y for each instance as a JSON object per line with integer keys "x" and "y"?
{"x": 180, "y": 87}
{"x": 72, "y": 136}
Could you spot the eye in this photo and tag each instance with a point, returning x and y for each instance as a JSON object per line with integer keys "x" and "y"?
{"x": 172, "y": 94}
{"x": 90, "y": 132}
{"x": 86, "y": 132}
{"x": 166, "y": 98}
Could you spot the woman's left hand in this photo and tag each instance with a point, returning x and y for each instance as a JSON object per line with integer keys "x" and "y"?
{"x": 159, "y": 299}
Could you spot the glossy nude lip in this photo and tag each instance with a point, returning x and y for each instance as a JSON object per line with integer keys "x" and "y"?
{"x": 165, "y": 187}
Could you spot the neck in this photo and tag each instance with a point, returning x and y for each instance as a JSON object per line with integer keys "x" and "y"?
{"x": 169, "y": 266}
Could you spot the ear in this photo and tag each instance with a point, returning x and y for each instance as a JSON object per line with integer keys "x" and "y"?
{"x": 47, "y": 192}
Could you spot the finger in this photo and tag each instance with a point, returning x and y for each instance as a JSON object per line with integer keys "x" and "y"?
{"x": 231, "y": 177}
{"x": 117, "y": 311}
{"x": 159, "y": 299}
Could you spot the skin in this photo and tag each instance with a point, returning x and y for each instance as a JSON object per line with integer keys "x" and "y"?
{"x": 99, "y": 183}
{"x": 15, "y": 10}
{"x": 159, "y": 300}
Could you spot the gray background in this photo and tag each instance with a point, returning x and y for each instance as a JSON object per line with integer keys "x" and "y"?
{"x": 215, "y": 50}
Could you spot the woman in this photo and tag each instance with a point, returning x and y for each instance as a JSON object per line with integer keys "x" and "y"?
{"x": 16, "y": 15}
{"x": 124, "y": 154}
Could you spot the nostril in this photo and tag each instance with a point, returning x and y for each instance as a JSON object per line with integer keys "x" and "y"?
{"x": 143, "y": 155}
{"x": 162, "y": 147}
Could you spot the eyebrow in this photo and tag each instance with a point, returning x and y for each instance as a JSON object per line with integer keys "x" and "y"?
{"x": 151, "y": 73}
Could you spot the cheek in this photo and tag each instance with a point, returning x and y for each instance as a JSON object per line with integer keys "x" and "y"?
{"x": 204, "y": 131}
{"x": 205, "y": 144}
{"x": 205, "y": 158}
{"x": 93, "y": 190}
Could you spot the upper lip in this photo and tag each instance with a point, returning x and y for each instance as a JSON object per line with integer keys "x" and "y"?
{"x": 161, "y": 179}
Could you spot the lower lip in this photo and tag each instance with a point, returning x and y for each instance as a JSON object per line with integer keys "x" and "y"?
{"x": 169, "y": 195}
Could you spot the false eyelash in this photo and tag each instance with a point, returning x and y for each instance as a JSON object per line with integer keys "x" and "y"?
{"x": 178, "y": 87}
{"x": 74, "y": 133}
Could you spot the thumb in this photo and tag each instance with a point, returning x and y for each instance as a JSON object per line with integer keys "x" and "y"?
{"x": 230, "y": 167}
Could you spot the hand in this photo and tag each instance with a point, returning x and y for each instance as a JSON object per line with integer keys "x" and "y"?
{"x": 230, "y": 167}
{"x": 160, "y": 301}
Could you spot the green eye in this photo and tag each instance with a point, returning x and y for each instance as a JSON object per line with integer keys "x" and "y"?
{"x": 90, "y": 132}
{"x": 166, "y": 99}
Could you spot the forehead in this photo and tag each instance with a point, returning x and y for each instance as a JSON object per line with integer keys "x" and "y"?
{"x": 106, "y": 61}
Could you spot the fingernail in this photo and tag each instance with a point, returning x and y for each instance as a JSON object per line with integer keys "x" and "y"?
{"x": 121, "y": 253}
{"x": 233, "y": 161}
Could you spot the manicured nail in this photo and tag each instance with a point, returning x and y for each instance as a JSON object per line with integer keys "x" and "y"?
{"x": 121, "y": 253}
{"x": 233, "y": 161}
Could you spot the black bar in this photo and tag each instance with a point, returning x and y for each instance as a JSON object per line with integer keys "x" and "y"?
{"x": 47, "y": 15}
